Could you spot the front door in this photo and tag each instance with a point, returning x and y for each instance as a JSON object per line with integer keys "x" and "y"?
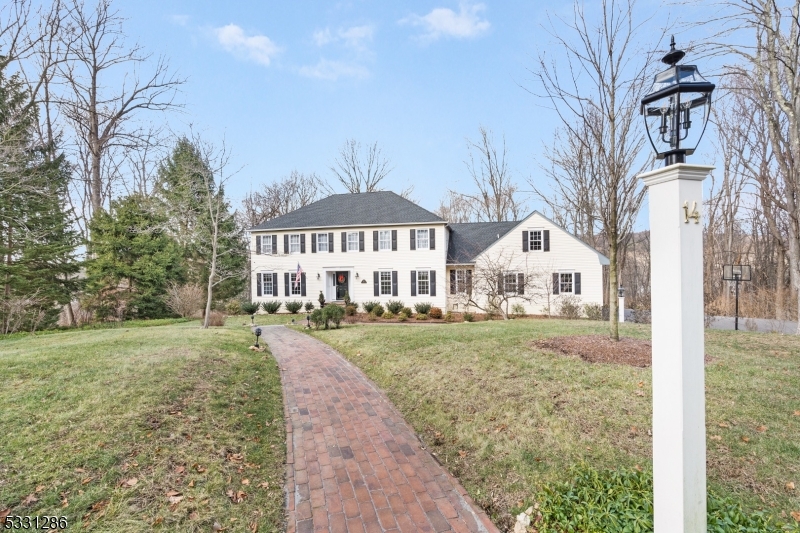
{"x": 340, "y": 282}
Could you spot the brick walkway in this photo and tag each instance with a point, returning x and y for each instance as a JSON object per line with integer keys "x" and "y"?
{"x": 352, "y": 462}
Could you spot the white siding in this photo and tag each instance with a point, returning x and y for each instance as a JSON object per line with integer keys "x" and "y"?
{"x": 363, "y": 264}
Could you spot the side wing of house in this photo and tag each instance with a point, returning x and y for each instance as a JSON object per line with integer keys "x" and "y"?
{"x": 535, "y": 264}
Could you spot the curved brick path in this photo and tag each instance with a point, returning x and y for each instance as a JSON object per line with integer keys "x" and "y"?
{"x": 352, "y": 462}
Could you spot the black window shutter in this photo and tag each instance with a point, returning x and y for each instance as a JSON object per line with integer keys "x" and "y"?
{"x": 258, "y": 244}
{"x": 524, "y": 241}
{"x": 432, "y": 278}
{"x": 275, "y": 284}
{"x": 286, "y": 283}
{"x": 303, "y": 284}
{"x": 376, "y": 283}
{"x": 501, "y": 283}
{"x": 374, "y": 241}
{"x": 452, "y": 282}
{"x": 330, "y": 242}
{"x": 546, "y": 240}
{"x": 275, "y": 244}
{"x": 360, "y": 241}
{"x": 302, "y": 243}
{"x": 394, "y": 282}
{"x": 577, "y": 286}
{"x": 469, "y": 282}
{"x": 520, "y": 283}
{"x": 394, "y": 240}
{"x": 555, "y": 283}
{"x": 258, "y": 284}
{"x": 432, "y": 238}
{"x": 286, "y": 244}
{"x": 313, "y": 243}
{"x": 413, "y": 281}
{"x": 344, "y": 241}
{"x": 414, "y": 240}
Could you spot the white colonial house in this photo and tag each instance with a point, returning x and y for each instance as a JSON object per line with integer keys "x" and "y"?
{"x": 379, "y": 246}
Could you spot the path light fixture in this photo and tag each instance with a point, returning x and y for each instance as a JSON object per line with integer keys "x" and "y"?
{"x": 253, "y": 319}
{"x": 258, "y": 334}
{"x": 679, "y": 95}
{"x": 621, "y": 292}
{"x": 308, "y": 321}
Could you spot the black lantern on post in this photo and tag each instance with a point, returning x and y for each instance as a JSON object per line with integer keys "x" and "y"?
{"x": 679, "y": 95}
{"x": 258, "y": 334}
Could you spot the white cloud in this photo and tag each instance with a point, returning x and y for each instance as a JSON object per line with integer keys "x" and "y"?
{"x": 257, "y": 48}
{"x": 354, "y": 37}
{"x": 444, "y": 22}
{"x": 333, "y": 70}
{"x": 180, "y": 20}
{"x": 323, "y": 37}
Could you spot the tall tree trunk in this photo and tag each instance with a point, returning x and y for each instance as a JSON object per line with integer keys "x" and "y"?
{"x": 211, "y": 273}
{"x": 780, "y": 286}
{"x": 613, "y": 271}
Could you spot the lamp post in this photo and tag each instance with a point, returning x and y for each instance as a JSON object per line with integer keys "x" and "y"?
{"x": 736, "y": 273}
{"x": 621, "y": 305}
{"x": 676, "y": 112}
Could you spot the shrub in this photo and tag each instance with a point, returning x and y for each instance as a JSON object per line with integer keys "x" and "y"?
{"x": 407, "y": 311}
{"x": 369, "y": 306}
{"x": 250, "y": 308}
{"x": 569, "y": 307}
{"x": 422, "y": 307}
{"x": 309, "y": 307}
{"x": 469, "y": 317}
{"x": 448, "y": 316}
{"x": 435, "y": 312}
{"x": 271, "y": 306}
{"x": 185, "y": 300}
{"x": 321, "y": 300}
{"x": 335, "y": 314}
{"x": 395, "y": 306}
{"x": 593, "y": 311}
{"x": 622, "y": 500}
{"x": 422, "y": 316}
{"x": 518, "y": 309}
{"x": 293, "y": 306}
{"x": 346, "y": 298}
{"x": 371, "y": 317}
{"x": 215, "y": 318}
{"x": 377, "y": 310}
{"x": 319, "y": 319}
{"x": 232, "y": 307}
{"x": 388, "y": 315}
{"x": 402, "y": 317}
{"x": 350, "y": 310}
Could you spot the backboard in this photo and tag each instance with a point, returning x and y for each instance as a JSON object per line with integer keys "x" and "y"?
{"x": 736, "y": 272}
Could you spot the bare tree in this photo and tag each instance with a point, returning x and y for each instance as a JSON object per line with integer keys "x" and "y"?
{"x": 595, "y": 92}
{"x": 103, "y": 118}
{"x": 360, "y": 170}
{"x": 279, "y": 198}
{"x": 455, "y": 208}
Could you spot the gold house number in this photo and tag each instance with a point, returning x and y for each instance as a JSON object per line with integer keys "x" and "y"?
{"x": 694, "y": 214}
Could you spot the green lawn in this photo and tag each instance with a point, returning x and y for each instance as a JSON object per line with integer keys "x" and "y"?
{"x": 168, "y": 427}
{"x": 506, "y": 418}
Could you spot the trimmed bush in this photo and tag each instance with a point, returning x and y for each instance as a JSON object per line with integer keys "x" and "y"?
{"x": 468, "y": 317}
{"x": 377, "y": 310}
{"x": 271, "y": 306}
{"x": 423, "y": 307}
{"x": 518, "y": 309}
{"x": 395, "y": 306}
{"x": 448, "y": 316}
{"x": 318, "y": 318}
{"x": 346, "y": 298}
{"x": 387, "y": 315}
{"x": 593, "y": 311}
{"x": 369, "y": 306}
{"x": 321, "y": 300}
{"x": 334, "y": 314}
{"x": 407, "y": 311}
{"x": 250, "y": 308}
{"x": 402, "y": 317}
{"x": 422, "y": 316}
{"x": 309, "y": 307}
{"x": 435, "y": 312}
{"x": 350, "y": 310}
{"x": 570, "y": 307}
{"x": 293, "y": 306}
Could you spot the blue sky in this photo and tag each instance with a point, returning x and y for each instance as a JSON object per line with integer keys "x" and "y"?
{"x": 286, "y": 83}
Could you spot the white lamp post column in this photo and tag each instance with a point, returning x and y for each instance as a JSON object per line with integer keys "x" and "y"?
{"x": 679, "y": 433}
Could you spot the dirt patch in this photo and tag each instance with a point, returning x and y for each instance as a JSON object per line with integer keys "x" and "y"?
{"x": 601, "y": 349}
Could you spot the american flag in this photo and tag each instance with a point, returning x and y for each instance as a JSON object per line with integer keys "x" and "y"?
{"x": 298, "y": 275}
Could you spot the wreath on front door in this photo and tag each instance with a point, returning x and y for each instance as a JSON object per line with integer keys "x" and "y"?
{"x": 341, "y": 278}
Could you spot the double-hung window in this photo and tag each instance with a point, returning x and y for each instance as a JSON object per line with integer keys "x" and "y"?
{"x": 460, "y": 280}
{"x": 423, "y": 282}
{"x": 266, "y": 283}
{"x": 565, "y": 282}
{"x": 352, "y": 241}
{"x": 510, "y": 282}
{"x": 535, "y": 237}
{"x": 294, "y": 244}
{"x": 422, "y": 239}
{"x": 386, "y": 283}
{"x": 322, "y": 242}
{"x": 384, "y": 240}
{"x": 295, "y": 287}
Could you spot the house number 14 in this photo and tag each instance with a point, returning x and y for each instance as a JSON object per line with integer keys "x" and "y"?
{"x": 693, "y": 214}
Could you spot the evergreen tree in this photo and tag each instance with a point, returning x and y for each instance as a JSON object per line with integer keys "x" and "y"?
{"x": 37, "y": 240}
{"x": 134, "y": 259}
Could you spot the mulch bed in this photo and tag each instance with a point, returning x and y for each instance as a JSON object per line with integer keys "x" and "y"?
{"x": 601, "y": 349}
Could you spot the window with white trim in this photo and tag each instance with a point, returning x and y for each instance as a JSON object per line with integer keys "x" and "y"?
{"x": 352, "y": 241}
{"x": 423, "y": 282}
{"x": 266, "y": 283}
{"x": 266, "y": 244}
{"x": 535, "y": 239}
{"x": 386, "y": 282}
{"x": 294, "y": 243}
{"x": 422, "y": 240}
{"x": 295, "y": 287}
{"x": 510, "y": 282}
{"x": 322, "y": 242}
{"x": 384, "y": 240}
{"x": 565, "y": 282}
{"x": 459, "y": 282}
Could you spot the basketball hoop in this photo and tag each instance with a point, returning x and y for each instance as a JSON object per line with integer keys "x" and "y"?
{"x": 736, "y": 273}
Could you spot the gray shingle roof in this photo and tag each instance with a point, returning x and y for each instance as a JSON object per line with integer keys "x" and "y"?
{"x": 362, "y": 209}
{"x": 470, "y": 239}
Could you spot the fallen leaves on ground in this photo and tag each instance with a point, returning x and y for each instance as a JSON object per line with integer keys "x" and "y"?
{"x": 129, "y": 482}
{"x": 790, "y": 485}
{"x": 601, "y": 349}
{"x": 761, "y": 429}
{"x": 795, "y": 515}
{"x": 236, "y": 496}
{"x": 29, "y": 499}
